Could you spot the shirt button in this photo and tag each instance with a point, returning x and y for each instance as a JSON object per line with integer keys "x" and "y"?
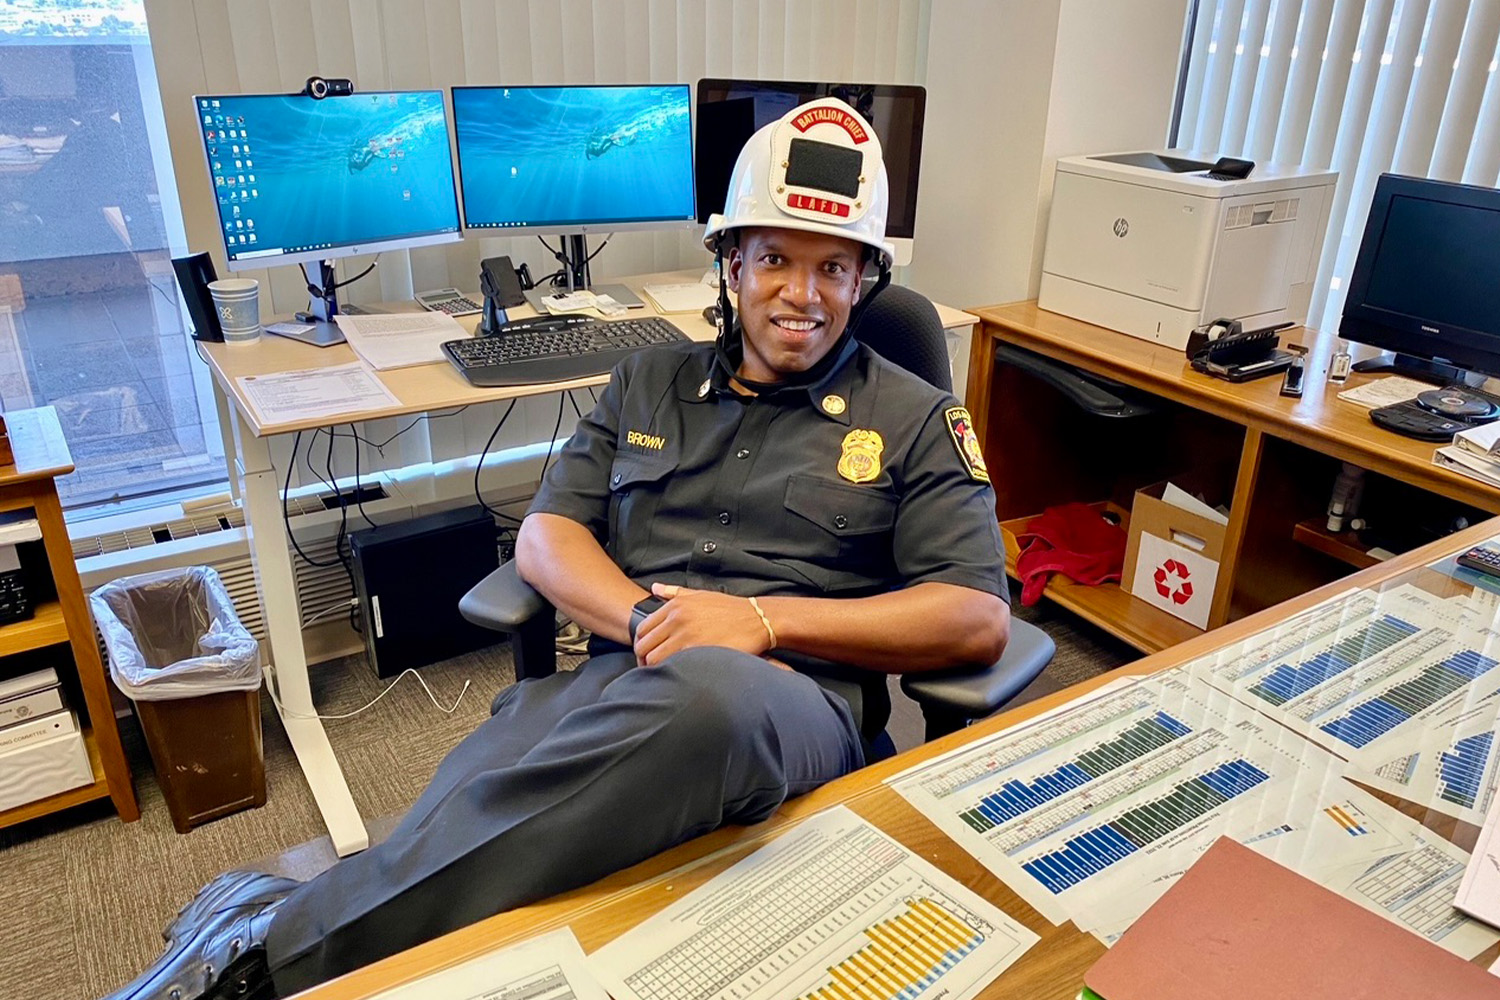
{"x": 709, "y": 547}
{"x": 724, "y": 517}
{"x": 742, "y": 453}
{"x": 616, "y": 480}
{"x": 840, "y": 521}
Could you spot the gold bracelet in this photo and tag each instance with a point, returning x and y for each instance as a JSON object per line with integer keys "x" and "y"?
{"x": 764, "y": 621}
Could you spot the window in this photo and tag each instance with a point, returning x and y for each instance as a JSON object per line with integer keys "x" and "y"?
{"x": 90, "y": 321}
{"x": 1363, "y": 86}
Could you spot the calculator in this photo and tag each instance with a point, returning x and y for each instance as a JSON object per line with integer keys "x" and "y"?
{"x": 450, "y": 301}
{"x": 1481, "y": 560}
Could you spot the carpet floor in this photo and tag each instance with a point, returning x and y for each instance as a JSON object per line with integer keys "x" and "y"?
{"x": 87, "y": 896}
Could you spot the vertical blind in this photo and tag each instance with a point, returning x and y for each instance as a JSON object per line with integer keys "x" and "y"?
{"x": 267, "y": 46}
{"x": 1364, "y": 87}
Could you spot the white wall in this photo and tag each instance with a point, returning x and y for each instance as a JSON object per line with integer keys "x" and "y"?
{"x": 1012, "y": 85}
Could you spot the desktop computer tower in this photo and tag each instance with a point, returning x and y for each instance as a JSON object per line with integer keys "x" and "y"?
{"x": 409, "y": 577}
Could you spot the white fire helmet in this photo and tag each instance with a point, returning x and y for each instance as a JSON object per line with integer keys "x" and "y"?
{"x": 816, "y": 169}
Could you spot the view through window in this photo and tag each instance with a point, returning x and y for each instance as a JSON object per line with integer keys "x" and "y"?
{"x": 90, "y": 321}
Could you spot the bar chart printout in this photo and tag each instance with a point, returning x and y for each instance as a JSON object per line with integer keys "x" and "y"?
{"x": 548, "y": 967}
{"x": 1454, "y": 770}
{"x": 832, "y": 909}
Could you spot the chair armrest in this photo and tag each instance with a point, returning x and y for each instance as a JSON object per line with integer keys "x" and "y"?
{"x": 503, "y": 601}
{"x": 975, "y": 694}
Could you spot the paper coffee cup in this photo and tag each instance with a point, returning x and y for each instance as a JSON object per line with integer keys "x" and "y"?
{"x": 237, "y": 301}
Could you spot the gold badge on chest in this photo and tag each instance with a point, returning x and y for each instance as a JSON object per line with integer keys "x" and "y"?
{"x": 860, "y": 461}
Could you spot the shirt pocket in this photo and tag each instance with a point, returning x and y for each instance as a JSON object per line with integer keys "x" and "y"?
{"x": 636, "y": 484}
{"x": 844, "y": 529}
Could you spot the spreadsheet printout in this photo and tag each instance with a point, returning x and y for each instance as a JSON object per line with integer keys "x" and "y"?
{"x": 549, "y": 967}
{"x": 1093, "y": 814}
{"x": 834, "y": 910}
{"x": 1454, "y": 770}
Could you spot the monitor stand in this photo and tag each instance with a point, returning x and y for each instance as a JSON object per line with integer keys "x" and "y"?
{"x": 1422, "y": 369}
{"x": 574, "y": 258}
{"x": 324, "y": 305}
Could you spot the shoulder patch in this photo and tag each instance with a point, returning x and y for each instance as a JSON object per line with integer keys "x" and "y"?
{"x": 961, "y": 429}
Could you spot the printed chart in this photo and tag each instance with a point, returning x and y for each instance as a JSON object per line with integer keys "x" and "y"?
{"x": 833, "y": 909}
{"x": 1093, "y": 812}
{"x": 549, "y": 967}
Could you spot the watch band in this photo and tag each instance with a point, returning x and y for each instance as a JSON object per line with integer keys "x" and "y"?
{"x": 642, "y": 610}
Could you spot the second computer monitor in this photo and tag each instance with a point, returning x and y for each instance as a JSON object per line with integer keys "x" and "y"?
{"x": 575, "y": 159}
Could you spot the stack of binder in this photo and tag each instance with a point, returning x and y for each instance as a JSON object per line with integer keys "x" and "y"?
{"x": 42, "y": 751}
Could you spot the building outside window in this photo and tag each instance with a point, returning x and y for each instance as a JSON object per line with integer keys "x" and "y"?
{"x": 90, "y": 320}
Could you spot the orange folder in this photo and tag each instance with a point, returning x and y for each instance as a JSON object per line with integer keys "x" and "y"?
{"x": 1240, "y": 925}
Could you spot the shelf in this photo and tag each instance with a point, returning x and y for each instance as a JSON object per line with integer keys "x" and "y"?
{"x": 64, "y": 800}
{"x": 1344, "y": 546}
{"x": 1127, "y": 618}
{"x": 45, "y": 628}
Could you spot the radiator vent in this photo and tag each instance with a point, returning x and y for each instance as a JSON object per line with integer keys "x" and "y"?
{"x": 211, "y": 520}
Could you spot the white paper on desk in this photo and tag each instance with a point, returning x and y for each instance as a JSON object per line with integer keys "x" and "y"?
{"x": 1384, "y": 392}
{"x": 315, "y": 392}
{"x": 550, "y": 967}
{"x": 682, "y": 297}
{"x": 832, "y": 901}
{"x": 400, "y": 340}
{"x": 1479, "y": 892}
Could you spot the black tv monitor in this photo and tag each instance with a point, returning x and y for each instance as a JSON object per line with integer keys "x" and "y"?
{"x": 1426, "y": 284}
{"x": 730, "y": 111}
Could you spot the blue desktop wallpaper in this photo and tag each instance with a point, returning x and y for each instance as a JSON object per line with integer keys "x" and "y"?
{"x": 559, "y": 156}
{"x": 293, "y": 174}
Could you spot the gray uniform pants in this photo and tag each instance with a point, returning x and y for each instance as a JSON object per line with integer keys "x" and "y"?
{"x": 574, "y": 777}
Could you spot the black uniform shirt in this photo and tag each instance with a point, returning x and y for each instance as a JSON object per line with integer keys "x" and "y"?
{"x": 857, "y": 485}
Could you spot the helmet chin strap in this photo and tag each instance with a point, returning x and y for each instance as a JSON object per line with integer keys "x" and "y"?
{"x": 729, "y": 346}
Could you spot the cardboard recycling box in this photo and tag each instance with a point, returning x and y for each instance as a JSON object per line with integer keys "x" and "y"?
{"x": 1172, "y": 556}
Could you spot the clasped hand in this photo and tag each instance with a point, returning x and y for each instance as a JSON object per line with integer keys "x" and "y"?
{"x": 698, "y": 618}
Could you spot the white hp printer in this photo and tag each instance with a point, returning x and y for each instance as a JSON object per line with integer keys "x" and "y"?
{"x": 1154, "y": 244}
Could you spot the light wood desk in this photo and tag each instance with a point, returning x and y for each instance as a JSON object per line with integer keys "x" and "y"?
{"x": 1271, "y": 458}
{"x": 1051, "y": 970}
{"x": 419, "y": 389}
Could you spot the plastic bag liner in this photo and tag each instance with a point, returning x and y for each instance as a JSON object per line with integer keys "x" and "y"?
{"x": 174, "y": 634}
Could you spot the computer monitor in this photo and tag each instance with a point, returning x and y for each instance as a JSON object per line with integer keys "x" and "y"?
{"x": 730, "y": 111}
{"x": 300, "y": 180}
{"x": 575, "y": 160}
{"x": 1424, "y": 283}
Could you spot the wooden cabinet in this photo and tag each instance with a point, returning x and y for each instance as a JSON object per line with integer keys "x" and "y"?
{"x": 41, "y": 455}
{"x": 1274, "y": 457}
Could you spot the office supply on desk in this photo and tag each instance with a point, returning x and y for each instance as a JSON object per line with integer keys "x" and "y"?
{"x": 1479, "y": 892}
{"x": 1384, "y": 392}
{"x": 1466, "y": 463}
{"x": 1148, "y": 243}
{"x": 1438, "y": 414}
{"x": 523, "y": 356}
{"x": 315, "y": 393}
{"x": 399, "y": 340}
{"x": 378, "y": 177}
{"x": 617, "y": 158}
{"x": 1292, "y": 379}
{"x": 1239, "y": 925}
{"x": 1483, "y": 441}
{"x": 448, "y": 300}
{"x": 682, "y": 297}
{"x": 1406, "y": 296}
{"x": 1241, "y": 355}
{"x": 827, "y": 906}
{"x": 547, "y": 967}
{"x": 729, "y": 111}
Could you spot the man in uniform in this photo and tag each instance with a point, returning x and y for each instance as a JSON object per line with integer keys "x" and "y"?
{"x": 756, "y": 532}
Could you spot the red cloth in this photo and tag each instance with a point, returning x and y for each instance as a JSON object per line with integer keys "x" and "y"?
{"x": 1074, "y": 540}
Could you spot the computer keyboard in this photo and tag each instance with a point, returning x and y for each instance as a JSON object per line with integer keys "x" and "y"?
{"x": 555, "y": 348}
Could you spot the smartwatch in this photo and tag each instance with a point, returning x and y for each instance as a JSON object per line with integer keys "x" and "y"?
{"x": 641, "y": 612}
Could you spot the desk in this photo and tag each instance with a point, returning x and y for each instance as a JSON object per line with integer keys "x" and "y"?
{"x": 420, "y": 389}
{"x": 1272, "y": 458}
{"x": 1051, "y": 970}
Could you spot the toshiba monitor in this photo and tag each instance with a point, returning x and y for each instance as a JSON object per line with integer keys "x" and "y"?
{"x": 730, "y": 112}
{"x": 575, "y": 160}
{"x": 1424, "y": 283}
{"x": 299, "y": 180}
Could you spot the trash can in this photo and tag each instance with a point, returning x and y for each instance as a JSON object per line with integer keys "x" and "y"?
{"x": 179, "y": 652}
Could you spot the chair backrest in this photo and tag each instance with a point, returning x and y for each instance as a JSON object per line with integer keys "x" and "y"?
{"x": 903, "y": 327}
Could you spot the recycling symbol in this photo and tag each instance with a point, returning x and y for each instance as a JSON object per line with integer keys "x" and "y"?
{"x": 1164, "y": 573}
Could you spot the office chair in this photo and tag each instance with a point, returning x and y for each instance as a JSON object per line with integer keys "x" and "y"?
{"x": 903, "y": 327}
